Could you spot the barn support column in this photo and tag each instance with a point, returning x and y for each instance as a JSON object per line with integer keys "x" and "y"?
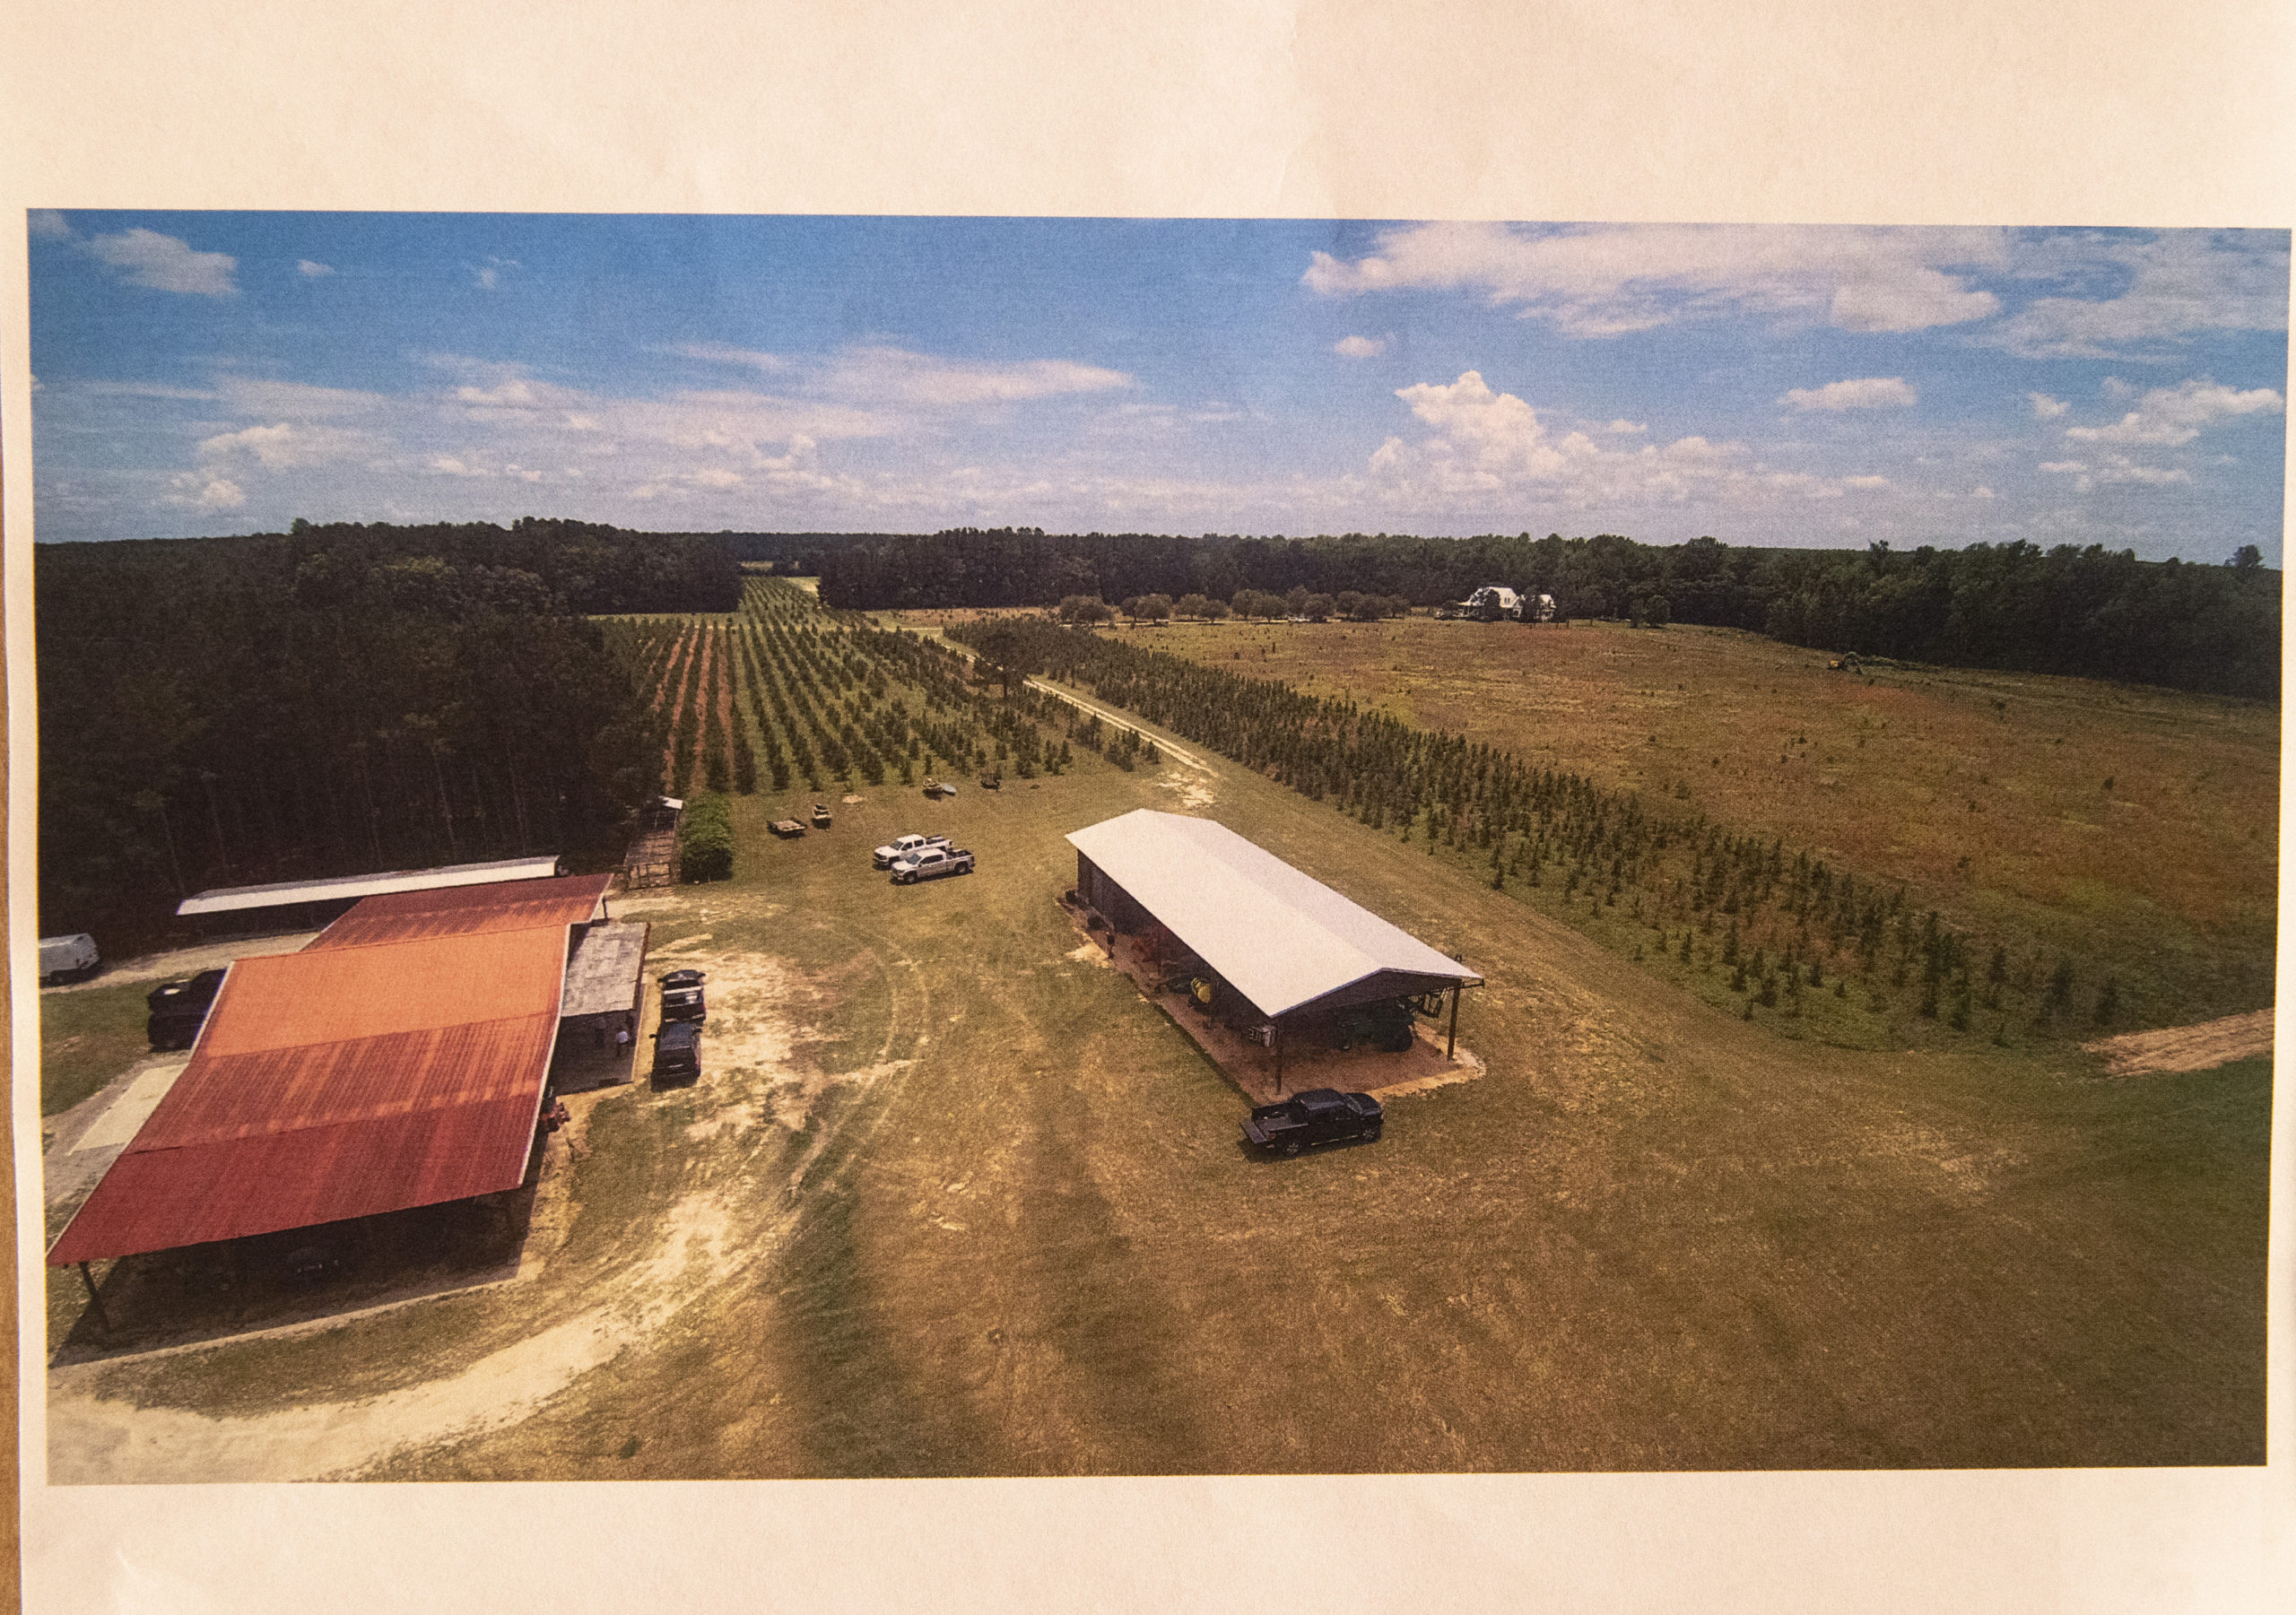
{"x": 103, "y": 1318}
{"x": 1279, "y": 1059}
{"x": 1451, "y": 1050}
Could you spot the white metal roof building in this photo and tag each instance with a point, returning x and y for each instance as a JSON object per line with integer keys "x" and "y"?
{"x": 1284, "y": 941}
{"x": 347, "y": 890}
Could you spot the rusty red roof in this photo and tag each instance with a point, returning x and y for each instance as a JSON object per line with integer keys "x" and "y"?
{"x": 342, "y": 1083}
{"x": 464, "y": 910}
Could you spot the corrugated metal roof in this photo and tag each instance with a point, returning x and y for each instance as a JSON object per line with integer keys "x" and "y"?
{"x": 1280, "y": 938}
{"x": 341, "y": 1082}
{"x": 223, "y": 899}
{"x": 467, "y": 910}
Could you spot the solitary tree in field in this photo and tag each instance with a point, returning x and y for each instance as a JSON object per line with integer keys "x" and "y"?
{"x": 1189, "y": 605}
{"x": 1003, "y": 652}
{"x": 1156, "y": 608}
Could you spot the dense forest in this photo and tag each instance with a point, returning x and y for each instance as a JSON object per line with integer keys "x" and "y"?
{"x": 230, "y": 711}
{"x": 2091, "y": 611}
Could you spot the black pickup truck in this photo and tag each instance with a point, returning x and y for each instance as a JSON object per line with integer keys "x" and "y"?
{"x": 1321, "y": 1116}
{"x": 179, "y": 1008}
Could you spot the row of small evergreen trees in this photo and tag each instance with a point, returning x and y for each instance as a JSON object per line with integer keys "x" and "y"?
{"x": 1774, "y": 921}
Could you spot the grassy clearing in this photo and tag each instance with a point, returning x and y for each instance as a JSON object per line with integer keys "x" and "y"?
{"x": 86, "y": 1038}
{"x": 1650, "y": 1238}
{"x": 2133, "y": 830}
{"x": 984, "y": 1212}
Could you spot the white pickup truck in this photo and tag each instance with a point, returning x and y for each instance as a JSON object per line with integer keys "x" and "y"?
{"x": 931, "y": 863}
{"x": 902, "y": 846}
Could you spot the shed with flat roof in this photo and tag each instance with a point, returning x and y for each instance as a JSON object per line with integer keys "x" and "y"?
{"x": 290, "y": 904}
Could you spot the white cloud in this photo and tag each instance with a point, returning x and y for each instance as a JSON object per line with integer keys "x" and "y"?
{"x": 296, "y": 400}
{"x": 719, "y": 352}
{"x": 2046, "y": 408}
{"x": 886, "y": 376}
{"x": 2172, "y": 416}
{"x": 1360, "y": 347}
{"x": 202, "y": 490}
{"x": 718, "y": 476}
{"x": 516, "y": 393}
{"x": 889, "y": 375}
{"x": 281, "y": 446}
{"x": 312, "y": 268}
{"x": 490, "y": 274}
{"x": 1628, "y": 427}
{"x": 144, "y": 257}
{"x": 138, "y": 389}
{"x": 47, "y": 225}
{"x": 1491, "y": 449}
{"x": 1866, "y": 393}
{"x": 2168, "y": 287}
{"x": 1982, "y": 493}
{"x": 2118, "y": 470}
{"x": 1604, "y": 281}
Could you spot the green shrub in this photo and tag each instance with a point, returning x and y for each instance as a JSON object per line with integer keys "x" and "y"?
{"x": 706, "y": 841}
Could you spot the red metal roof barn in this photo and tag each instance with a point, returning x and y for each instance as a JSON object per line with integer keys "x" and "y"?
{"x": 354, "y": 1077}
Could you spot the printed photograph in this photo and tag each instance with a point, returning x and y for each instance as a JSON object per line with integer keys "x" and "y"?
{"x": 777, "y": 847}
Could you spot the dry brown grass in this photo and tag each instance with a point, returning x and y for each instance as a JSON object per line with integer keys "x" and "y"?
{"x": 2134, "y": 827}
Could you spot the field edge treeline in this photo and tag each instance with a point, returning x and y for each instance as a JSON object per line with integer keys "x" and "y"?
{"x": 2087, "y": 612}
{"x": 339, "y": 698}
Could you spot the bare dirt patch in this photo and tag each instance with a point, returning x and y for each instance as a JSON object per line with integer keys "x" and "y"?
{"x": 2201, "y": 1048}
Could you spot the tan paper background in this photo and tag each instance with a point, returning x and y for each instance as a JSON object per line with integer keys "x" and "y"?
{"x": 2121, "y": 111}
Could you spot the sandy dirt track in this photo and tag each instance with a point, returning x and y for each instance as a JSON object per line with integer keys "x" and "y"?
{"x": 186, "y": 961}
{"x": 2201, "y": 1048}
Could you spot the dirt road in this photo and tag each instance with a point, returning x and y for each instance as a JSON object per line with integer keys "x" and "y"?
{"x": 186, "y": 961}
{"x": 2201, "y": 1048}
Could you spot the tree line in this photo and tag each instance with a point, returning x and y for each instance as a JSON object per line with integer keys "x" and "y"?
{"x": 2073, "y": 609}
{"x": 338, "y": 699}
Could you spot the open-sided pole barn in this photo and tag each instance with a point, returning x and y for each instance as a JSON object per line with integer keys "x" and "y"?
{"x": 1290, "y": 947}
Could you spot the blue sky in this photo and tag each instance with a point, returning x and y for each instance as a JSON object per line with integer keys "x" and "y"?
{"x": 212, "y": 372}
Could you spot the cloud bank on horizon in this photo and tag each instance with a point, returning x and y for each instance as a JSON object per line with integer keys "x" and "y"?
{"x": 201, "y": 373}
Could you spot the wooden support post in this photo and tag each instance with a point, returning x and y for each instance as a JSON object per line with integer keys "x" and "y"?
{"x": 1451, "y": 1050}
{"x": 1279, "y": 1059}
{"x": 103, "y": 1318}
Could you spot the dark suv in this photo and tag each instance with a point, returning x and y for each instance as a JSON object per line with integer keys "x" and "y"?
{"x": 179, "y": 1008}
{"x": 677, "y": 1051}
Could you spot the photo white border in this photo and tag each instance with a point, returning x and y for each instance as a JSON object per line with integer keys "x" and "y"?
{"x": 1790, "y": 111}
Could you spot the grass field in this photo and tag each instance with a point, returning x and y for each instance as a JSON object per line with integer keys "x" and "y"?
{"x": 2134, "y": 830}
{"x": 86, "y": 1038}
{"x": 950, "y": 1201}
